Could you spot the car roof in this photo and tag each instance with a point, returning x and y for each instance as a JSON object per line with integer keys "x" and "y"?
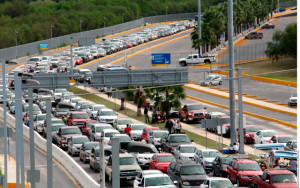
{"x": 155, "y": 175}
{"x": 283, "y": 135}
{"x": 245, "y": 161}
{"x": 110, "y": 130}
{"x": 209, "y": 150}
{"x": 70, "y": 127}
{"x": 79, "y": 112}
{"x": 163, "y": 154}
{"x": 148, "y": 172}
{"x": 278, "y": 171}
{"x": 187, "y": 145}
{"x": 152, "y": 127}
{"x": 79, "y": 136}
{"x": 177, "y": 135}
{"x": 217, "y": 178}
{"x": 106, "y": 109}
{"x": 125, "y": 155}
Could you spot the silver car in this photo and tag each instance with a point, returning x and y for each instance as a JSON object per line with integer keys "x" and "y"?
{"x": 206, "y": 157}
{"x": 74, "y": 144}
{"x": 185, "y": 151}
{"x": 212, "y": 79}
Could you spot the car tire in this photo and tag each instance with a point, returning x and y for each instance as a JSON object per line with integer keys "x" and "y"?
{"x": 207, "y": 61}
{"x": 220, "y": 83}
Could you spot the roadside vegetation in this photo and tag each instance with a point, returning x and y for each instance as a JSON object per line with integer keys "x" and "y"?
{"x": 215, "y": 21}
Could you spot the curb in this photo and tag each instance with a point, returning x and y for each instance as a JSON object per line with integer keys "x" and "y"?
{"x": 246, "y": 102}
{"x": 247, "y": 113}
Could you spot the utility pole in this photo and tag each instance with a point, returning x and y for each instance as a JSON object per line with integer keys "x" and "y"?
{"x": 199, "y": 26}
{"x": 241, "y": 119}
{"x": 104, "y": 18}
{"x": 122, "y": 18}
{"x": 71, "y": 45}
{"x": 81, "y": 28}
{"x": 4, "y": 123}
{"x": 51, "y": 31}
{"x": 231, "y": 73}
{"x": 32, "y": 157}
{"x": 16, "y": 39}
{"x": 49, "y": 144}
{"x": 115, "y": 162}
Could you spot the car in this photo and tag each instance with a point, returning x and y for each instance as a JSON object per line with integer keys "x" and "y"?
{"x": 155, "y": 180}
{"x": 64, "y": 133}
{"x": 161, "y": 161}
{"x": 240, "y": 171}
{"x": 84, "y": 106}
{"x": 123, "y": 138}
{"x": 212, "y": 79}
{"x": 219, "y": 165}
{"x": 155, "y": 137}
{"x": 78, "y": 118}
{"x": 280, "y": 9}
{"x": 122, "y": 123}
{"x": 107, "y": 116}
{"x": 75, "y": 100}
{"x": 93, "y": 110}
{"x": 206, "y": 157}
{"x": 293, "y": 100}
{"x": 96, "y": 129}
{"x": 87, "y": 126}
{"x": 85, "y": 150}
{"x": 294, "y": 8}
{"x": 185, "y": 151}
{"x": 136, "y": 131}
{"x": 172, "y": 141}
{"x": 63, "y": 109}
{"x": 187, "y": 173}
{"x": 291, "y": 145}
{"x": 254, "y": 35}
{"x": 129, "y": 167}
{"x": 95, "y": 156}
{"x": 78, "y": 105}
{"x": 74, "y": 144}
{"x": 192, "y": 112}
{"x": 268, "y": 26}
{"x": 54, "y": 122}
{"x": 58, "y": 93}
{"x": 143, "y": 173}
{"x": 263, "y": 136}
{"x": 38, "y": 122}
{"x": 54, "y": 128}
{"x": 214, "y": 115}
{"x": 196, "y": 58}
{"x": 281, "y": 138}
{"x": 107, "y": 133}
{"x": 249, "y": 132}
{"x": 216, "y": 182}
{"x": 146, "y": 131}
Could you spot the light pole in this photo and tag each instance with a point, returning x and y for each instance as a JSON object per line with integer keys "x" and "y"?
{"x": 122, "y": 18}
{"x": 51, "y": 31}
{"x": 199, "y": 26}
{"x": 166, "y": 10}
{"x": 16, "y": 39}
{"x": 81, "y": 28}
{"x": 104, "y": 18}
{"x": 137, "y": 15}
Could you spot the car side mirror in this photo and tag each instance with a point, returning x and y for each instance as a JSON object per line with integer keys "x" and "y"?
{"x": 176, "y": 173}
{"x": 175, "y": 182}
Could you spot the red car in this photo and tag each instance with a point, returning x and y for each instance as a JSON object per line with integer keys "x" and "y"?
{"x": 78, "y": 60}
{"x": 77, "y": 118}
{"x": 240, "y": 171}
{"x": 161, "y": 161}
{"x": 87, "y": 126}
{"x": 146, "y": 132}
{"x": 192, "y": 112}
{"x": 249, "y": 132}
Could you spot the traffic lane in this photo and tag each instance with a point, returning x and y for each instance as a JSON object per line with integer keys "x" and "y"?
{"x": 60, "y": 178}
{"x": 266, "y": 124}
{"x": 250, "y": 120}
{"x": 96, "y": 175}
{"x": 253, "y": 49}
{"x": 274, "y": 92}
{"x": 143, "y": 55}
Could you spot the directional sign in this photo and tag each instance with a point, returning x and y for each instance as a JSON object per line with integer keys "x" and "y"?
{"x": 43, "y": 46}
{"x": 161, "y": 59}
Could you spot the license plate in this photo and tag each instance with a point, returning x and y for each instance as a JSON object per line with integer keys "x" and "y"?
{"x": 129, "y": 178}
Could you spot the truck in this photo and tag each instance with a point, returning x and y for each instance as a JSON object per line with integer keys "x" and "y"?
{"x": 196, "y": 58}
{"x": 192, "y": 112}
{"x": 273, "y": 178}
{"x": 78, "y": 118}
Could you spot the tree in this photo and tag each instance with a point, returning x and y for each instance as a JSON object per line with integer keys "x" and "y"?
{"x": 166, "y": 97}
{"x": 129, "y": 95}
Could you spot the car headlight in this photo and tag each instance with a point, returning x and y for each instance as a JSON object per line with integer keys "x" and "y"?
{"x": 190, "y": 114}
{"x": 244, "y": 177}
{"x": 156, "y": 140}
{"x": 74, "y": 148}
{"x": 103, "y": 120}
{"x": 185, "y": 183}
{"x": 247, "y": 135}
{"x": 225, "y": 169}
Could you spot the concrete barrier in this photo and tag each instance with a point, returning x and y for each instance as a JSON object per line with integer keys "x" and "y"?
{"x": 61, "y": 156}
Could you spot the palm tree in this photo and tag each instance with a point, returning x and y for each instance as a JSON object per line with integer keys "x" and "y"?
{"x": 129, "y": 95}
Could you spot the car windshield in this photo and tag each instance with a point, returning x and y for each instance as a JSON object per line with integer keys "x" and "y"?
{"x": 124, "y": 138}
{"x": 89, "y": 146}
{"x": 209, "y": 77}
{"x": 137, "y": 127}
{"x": 221, "y": 183}
{"x": 225, "y": 120}
{"x": 252, "y": 129}
{"x": 162, "y": 159}
{"x": 96, "y": 108}
{"x": 80, "y": 116}
{"x": 249, "y": 167}
{"x": 109, "y": 134}
{"x": 142, "y": 149}
{"x": 56, "y": 128}
{"x": 107, "y": 113}
{"x": 90, "y": 124}
{"x": 226, "y": 160}
{"x": 179, "y": 139}
{"x": 284, "y": 139}
{"x": 125, "y": 121}
{"x": 158, "y": 181}
{"x": 86, "y": 106}
{"x": 211, "y": 153}
{"x": 196, "y": 107}
{"x": 57, "y": 121}
{"x": 70, "y": 131}
{"x": 188, "y": 149}
{"x": 60, "y": 90}
{"x": 284, "y": 178}
{"x": 158, "y": 134}
{"x": 80, "y": 140}
{"x": 128, "y": 161}
{"x": 62, "y": 109}
{"x": 269, "y": 134}
{"x": 75, "y": 100}
{"x": 69, "y": 97}
{"x": 101, "y": 128}
{"x": 295, "y": 145}
{"x": 192, "y": 170}
{"x": 36, "y": 108}
{"x": 40, "y": 118}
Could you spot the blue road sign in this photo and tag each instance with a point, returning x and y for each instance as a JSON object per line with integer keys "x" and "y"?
{"x": 161, "y": 59}
{"x": 43, "y": 46}
{"x": 222, "y": 35}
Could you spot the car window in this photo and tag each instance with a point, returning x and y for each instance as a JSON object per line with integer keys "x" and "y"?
{"x": 195, "y": 56}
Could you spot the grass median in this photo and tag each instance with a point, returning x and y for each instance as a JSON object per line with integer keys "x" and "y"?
{"x": 198, "y": 139}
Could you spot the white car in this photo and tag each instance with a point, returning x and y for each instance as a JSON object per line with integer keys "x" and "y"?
{"x": 264, "y": 136}
{"x": 107, "y": 116}
{"x": 107, "y": 133}
{"x": 143, "y": 173}
{"x": 212, "y": 79}
{"x": 75, "y": 100}
{"x": 293, "y": 100}
{"x": 58, "y": 93}
{"x": 213, "y": 182}
{"x": 96, "y": 129}
{"x": 39, "y": 122}
{"x": 122, "y": 123}
{"x": 136, "y": 131}
{"x": 185, "y": 151}
{"x": 93, "y": 110}
{"x": 156, "y": 180}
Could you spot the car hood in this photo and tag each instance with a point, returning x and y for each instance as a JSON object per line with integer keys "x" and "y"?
{"x": 196, "y": 111}
{"x": 78, "y": 145}
{"x": 147, "y": 155}
{"x": 176, "y": 144}
{"x": 280, "y": 185}
{"x": 79, "y": 120}
{"x": 108, "y": 117}
{"x": 136, "y": 131}
{"x": 293, "y": 98}
{"x": 130, "y": 167}
{"x": 187, "y": 154}
{"x": 193, "y": 177}
{"x": 162, "y": 186}
{"x": 40, "y": 122}
{"x": 227, "y": 124}
{"x": 163, "y": 164}
{"x": 209, "y": 159}
{"x": 250, "y": 173}
{"x": 121, "y": 126}
{"x": 251, "y": 133}
{"x": 70, "y": 135}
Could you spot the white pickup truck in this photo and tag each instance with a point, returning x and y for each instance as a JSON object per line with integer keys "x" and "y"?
{"x": 195, "y": 58}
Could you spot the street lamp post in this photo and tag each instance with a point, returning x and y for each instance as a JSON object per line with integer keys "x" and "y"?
{"x": 104, "y": 18}
{"x": 122, "y": 18}
{"x": 16, "y": 39}
{"x": 51, "y": 31}
{"x": 199, "y": 26}
{"x": 166, "y": 10}
{"x": 81, "y": 28}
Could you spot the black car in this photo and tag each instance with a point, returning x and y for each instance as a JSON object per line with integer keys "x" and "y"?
{"x": 280, "y": 9}
{"x": 219, "y": 165}
{"x": 268, "y": 26}
{"x": 187, "y": 173}
{"x": 172, "y": 141}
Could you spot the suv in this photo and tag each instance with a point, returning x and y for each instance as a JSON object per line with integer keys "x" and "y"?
{"x": 172, "y": 141}
{"x": 205, "y": 157}
{"x": 187, "y": 173}
{"x": 78, "y": 119}
{"x": 241, "y": 171}
{"x": 254, "y": 35}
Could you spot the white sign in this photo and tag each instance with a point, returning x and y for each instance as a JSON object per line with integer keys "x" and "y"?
{"x": 223, "y": 130}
